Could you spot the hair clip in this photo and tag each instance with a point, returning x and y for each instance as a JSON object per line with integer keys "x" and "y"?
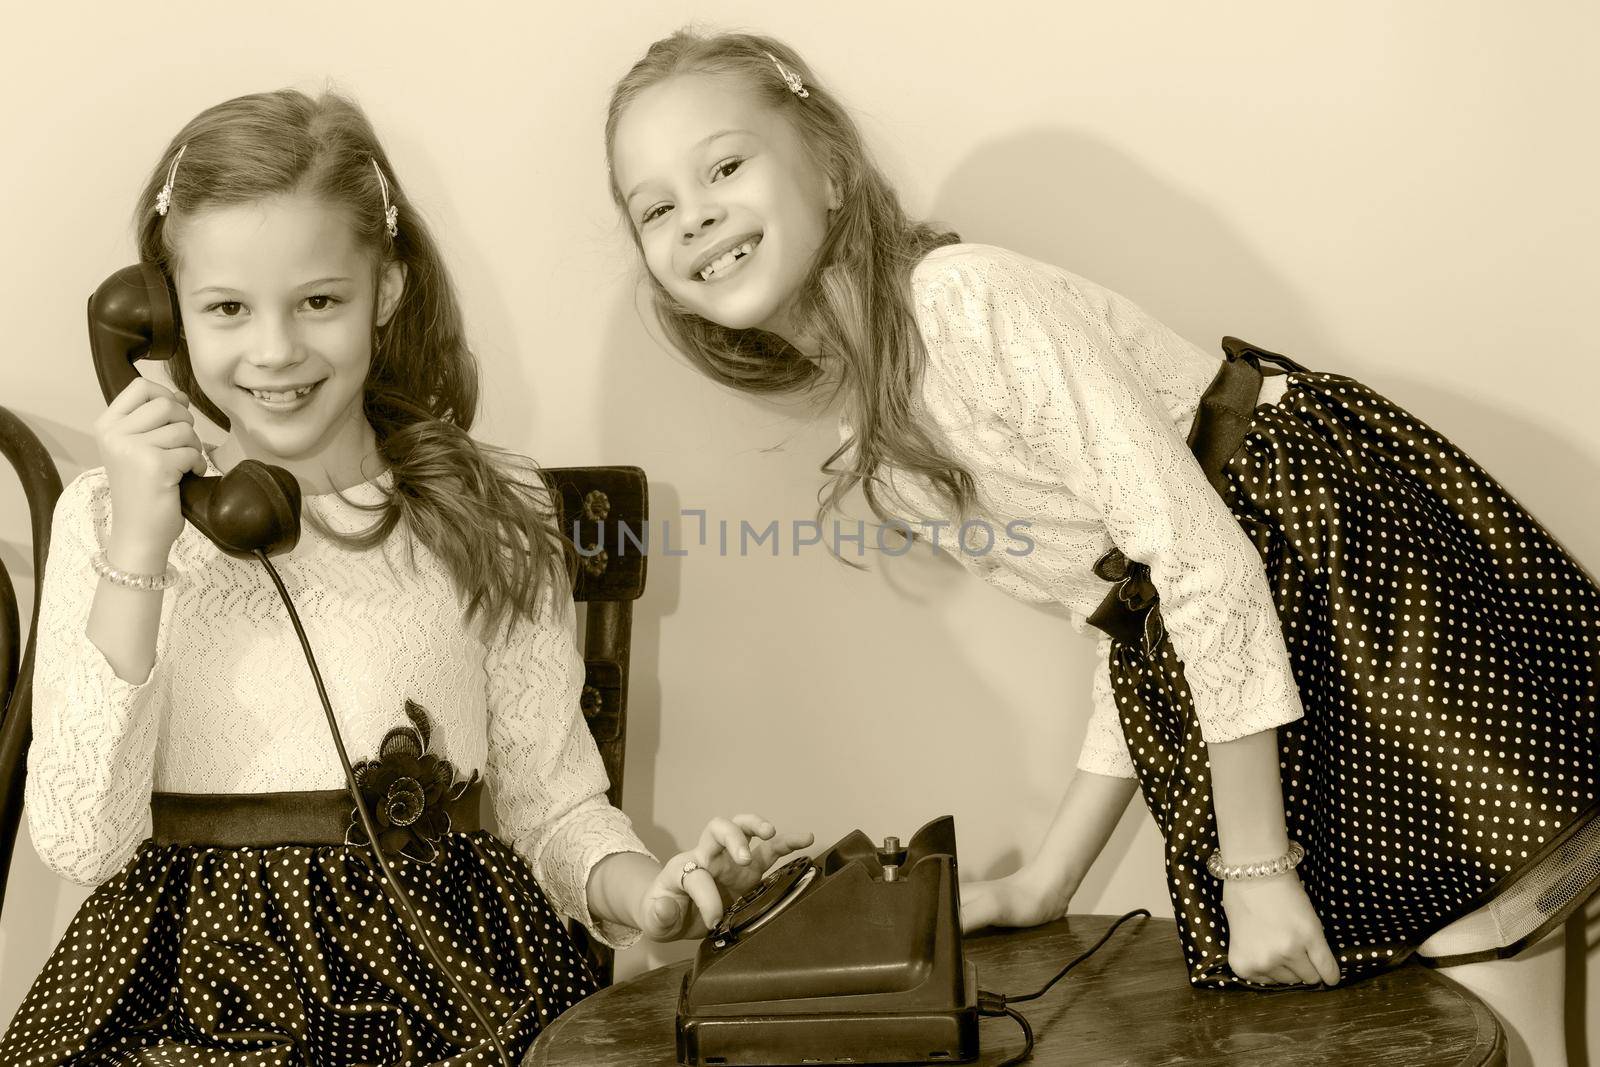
{"x": 790, "y": 78}
{"x": 164, "y": 197}
{"x": 391, "y": 212}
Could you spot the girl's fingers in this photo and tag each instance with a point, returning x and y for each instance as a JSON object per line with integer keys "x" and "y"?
{"x": 138, "y": 391}
{"x": 747, "y": 841}
{"x": 171, "y": 435}
{"x": 155, "y": 413}
{"x": 192, "y": 461}
{"x": 180, "y": 411}
{"x": 1303, "y": 970}
{"x": 754, "y": 825}
{"x": 1323, "y": 960}
{"x": 793, "y": 842}
{"x": 702, "y": 889}
{"x": 980, "y": 905}
{"x": 782, "y": 845}
{"x": 1277, "y": 974}
{"x": 721, "y": 835}
{"x": 666, "y": 916}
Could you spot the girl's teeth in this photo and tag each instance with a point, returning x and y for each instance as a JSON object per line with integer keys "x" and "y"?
{"x": 280, "y": 397}
{"x": 726, "y": 260}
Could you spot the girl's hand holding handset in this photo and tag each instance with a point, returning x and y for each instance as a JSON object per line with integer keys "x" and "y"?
{"x": 148, "y": 443}
{"x": 694, "y": 888}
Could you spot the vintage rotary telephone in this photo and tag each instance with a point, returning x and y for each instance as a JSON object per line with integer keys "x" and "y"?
{"x": 251, "y": 512}
{"x": 852, "y": 957}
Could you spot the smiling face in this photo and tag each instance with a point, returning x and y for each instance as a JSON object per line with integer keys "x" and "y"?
{"x": 279, "y": 302}
{"x": 729, "y": 207}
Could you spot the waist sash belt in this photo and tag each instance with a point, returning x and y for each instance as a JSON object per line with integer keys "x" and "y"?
{"x": 262, "y": 820}
{"x": 1220, "y": 423}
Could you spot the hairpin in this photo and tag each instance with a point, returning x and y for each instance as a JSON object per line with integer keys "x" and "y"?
{"x": 790, "y": 78}
{"x": 391, "y": 212}
{"x": 164, "y": 197}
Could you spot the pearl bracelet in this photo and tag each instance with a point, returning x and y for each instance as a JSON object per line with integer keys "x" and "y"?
{"x": 1245, "y": 871}
{"x": 149, "y": 583}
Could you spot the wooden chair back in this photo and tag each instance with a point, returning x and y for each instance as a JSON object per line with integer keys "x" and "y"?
{"x": 41, "y": 485}
{"x": 605, "y": 511}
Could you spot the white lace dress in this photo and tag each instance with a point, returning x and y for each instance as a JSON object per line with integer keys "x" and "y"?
{"x": 229, "y": 706}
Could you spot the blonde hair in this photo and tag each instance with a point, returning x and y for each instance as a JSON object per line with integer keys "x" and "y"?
{"x": 856, "y": 301}
{"x": 482, "y": 511}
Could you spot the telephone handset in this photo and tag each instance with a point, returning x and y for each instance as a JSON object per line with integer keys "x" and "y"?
{"x": 134, "y": 316}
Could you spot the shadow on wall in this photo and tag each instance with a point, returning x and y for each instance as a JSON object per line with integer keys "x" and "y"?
{"x": 1065, "y": 197}
{"x": 660, "y": 599}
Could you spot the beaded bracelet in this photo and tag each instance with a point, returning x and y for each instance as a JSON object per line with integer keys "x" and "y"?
{"x": 1244, "y": 871}
{"x": 149, "y": 583}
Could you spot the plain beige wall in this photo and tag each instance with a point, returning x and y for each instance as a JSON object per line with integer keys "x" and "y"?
{"x": 1404, "y": 193}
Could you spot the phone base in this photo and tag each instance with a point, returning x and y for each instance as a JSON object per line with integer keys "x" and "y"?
{"x": 833, "y": 1037}
{"x": 851, "y": 957}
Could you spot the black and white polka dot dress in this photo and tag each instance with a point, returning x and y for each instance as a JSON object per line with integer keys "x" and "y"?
{"x": 1447, "y": 652}
{"x": 240, "y": 917}
{"x": 1331, "y": 568}
{"x": 296, "y": 955}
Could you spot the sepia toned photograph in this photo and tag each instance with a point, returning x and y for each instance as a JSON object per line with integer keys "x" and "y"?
{"x": 713, "y": 533}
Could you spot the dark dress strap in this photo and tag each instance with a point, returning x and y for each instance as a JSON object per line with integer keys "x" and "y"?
{"x": 264, "y": 820}
{"x": 1220, "y": 424}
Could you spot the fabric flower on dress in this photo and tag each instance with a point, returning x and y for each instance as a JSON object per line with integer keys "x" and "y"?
{"x": 406, "y": 788}
{"x": 1136, "y": 592}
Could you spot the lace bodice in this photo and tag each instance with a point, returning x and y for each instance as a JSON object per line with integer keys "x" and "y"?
{"x": 1069, "y": 406}
{"x": 229, "y": 706}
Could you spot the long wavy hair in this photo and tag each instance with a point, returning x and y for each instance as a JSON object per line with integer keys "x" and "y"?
{"x": 856, "y": 300}
{"x": 483, "y": 512}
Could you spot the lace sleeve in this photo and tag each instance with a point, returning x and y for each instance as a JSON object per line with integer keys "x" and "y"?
{"x": 545, "y": 776}
{"x": 1045, "y": 358}
{"x": 92, "y": 759}
{"x": 1105, "y": 749}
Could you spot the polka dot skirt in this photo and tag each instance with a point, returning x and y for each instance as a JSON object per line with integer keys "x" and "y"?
{"x": 1447, "y": 652}
{"x": 295, "y": 955}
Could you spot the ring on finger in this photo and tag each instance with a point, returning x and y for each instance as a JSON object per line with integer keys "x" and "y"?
{"x": 688, "y": 868}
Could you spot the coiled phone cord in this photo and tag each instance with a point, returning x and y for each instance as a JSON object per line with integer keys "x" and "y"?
{"x": 392, "y": 883}
{"x": 998, "y": 1004}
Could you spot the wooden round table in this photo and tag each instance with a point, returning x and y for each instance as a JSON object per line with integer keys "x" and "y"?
{"x": 1129, "y": 1003}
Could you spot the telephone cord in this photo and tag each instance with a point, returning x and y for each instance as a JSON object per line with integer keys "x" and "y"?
{"x": 994, "y": 1005}
{"x": 365, "y": 815}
